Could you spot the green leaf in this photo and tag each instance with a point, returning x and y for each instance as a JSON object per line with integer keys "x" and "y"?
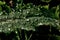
{"x": 2, "y": 3}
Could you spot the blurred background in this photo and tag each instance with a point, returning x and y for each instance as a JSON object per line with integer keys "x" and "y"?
{"x": 29, "y": 19}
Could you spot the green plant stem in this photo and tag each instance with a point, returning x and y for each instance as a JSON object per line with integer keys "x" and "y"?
{"x": 20, "y": 34}
{"x": 17, "y": 34}
{"x": 25, "y": 35}
{"x": 57, "y": 12}
{"x": 30, "y": 36}
{"x": 50, "y": 32}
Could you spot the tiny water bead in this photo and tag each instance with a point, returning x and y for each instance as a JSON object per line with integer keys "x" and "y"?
{"x": 40, "y": 24}
{"x": 16, "y": 32}
{"x": 27, "y": 19}
{"x": 9, "y": 29}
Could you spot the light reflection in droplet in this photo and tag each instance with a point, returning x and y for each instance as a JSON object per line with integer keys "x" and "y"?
{"x": 9, "y": 29}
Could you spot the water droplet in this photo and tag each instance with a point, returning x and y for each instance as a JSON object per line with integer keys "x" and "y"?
{"x": 9, "y": 29}
{"x": 59, "y": 30}
{"x": 40, "y": 24}
{"x": 27, "y": 11}
{"x": 27, "y": 19}
{"x": 16, "y": 32}
{"x": 20, "y": 10}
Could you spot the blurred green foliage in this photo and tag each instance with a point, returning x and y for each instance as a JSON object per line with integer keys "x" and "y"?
{"x": 27, "y": 16}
